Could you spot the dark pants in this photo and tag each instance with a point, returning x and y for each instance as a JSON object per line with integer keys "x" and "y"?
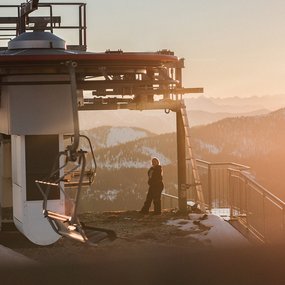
{"x": 153, "y": 195}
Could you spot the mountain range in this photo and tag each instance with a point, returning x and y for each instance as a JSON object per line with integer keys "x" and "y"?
{"x": 236, "y": 104}
{"x": 202, "y": 110}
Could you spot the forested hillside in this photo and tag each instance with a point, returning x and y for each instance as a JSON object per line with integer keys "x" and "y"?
{"x": 255, "y": 141}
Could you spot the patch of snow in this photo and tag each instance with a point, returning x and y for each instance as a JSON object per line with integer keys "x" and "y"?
{"x": 124, "y": 164}
{"x": 221, "y": 212}
{"x": 222, "y": 233}
{"x": 209, "y": 147}
{"x": 182, "y": 224}
{"x": 122, "y": 135}
{"x": 217, "y": 232}
{"x": 109, "y": 195}
{"x": 154, "y": 153}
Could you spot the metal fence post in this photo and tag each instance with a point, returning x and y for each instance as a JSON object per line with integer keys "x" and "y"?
{"x": 231, "y": 192}
{"x": 209, "y": 187}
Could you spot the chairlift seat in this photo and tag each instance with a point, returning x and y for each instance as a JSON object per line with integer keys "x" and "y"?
{"x": 57, "y": 216}
{"x": 80, "y": 232}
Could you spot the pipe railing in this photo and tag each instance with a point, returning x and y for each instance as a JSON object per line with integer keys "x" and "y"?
{"x": 229, "y": 189}
{"x": 169, "y": 201}
{"x": 256, "y": 208}
{"x": 12, "y": 23}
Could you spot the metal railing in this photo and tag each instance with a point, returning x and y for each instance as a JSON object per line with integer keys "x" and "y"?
{"x": 257, "y": 209}
{"x": 215, "y": 182}
{"x": 229, "y": 189}
{"x": 10, "y": 22}
{"x": 169, "y": 201}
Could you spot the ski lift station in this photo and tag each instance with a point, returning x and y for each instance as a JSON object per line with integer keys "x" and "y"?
{"x": 42, "y": 167}
{"x": 42, "y": 88}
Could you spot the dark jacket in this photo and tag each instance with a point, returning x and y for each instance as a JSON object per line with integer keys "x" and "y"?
{"x": 155, "y": 176}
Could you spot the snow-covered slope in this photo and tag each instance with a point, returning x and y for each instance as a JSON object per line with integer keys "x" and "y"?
{"x": 122, "y": 135}
{"x": 105, "y": 136}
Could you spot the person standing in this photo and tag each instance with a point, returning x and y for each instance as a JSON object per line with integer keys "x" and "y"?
{"x": 155, "y": 188}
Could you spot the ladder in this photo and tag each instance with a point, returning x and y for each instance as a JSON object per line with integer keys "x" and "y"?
{"x": 195, "y": 172}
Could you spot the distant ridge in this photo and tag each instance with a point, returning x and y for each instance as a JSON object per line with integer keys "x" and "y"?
{"x": 236, "y": 104}
{"x": 203, "y": 118}
{"x": 202, "y": 110}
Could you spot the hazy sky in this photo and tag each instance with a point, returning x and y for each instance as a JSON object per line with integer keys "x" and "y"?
{"x": 231, "y": 47}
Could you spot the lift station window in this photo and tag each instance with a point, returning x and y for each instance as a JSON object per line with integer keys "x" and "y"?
{"x": 41, "y": 157}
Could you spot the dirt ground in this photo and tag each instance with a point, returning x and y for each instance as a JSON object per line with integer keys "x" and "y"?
{"x": 147, "y": 251}
{"x": 135, "y": 232}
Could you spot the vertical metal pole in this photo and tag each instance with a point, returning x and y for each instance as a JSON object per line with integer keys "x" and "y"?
{"x": 84, "y": 27}
{"x": 181, "y": 163}
{"x": 82, "y": 162}
{"x": 181, "y": 149}
{"x": 283, "y": 223}
{"x": 231, "y": 190}
{"x": 80, "y": 25}
{"x": 6, "y": 199}
{"x": 19, "y": 23}
{"x": 51, "y": 19}
{"x": 71, "y": 67}
{"x": 178, "y": 72}
{"x": 210, "y": 187}
{"x": 22, "y": 21}
{"x": 266, "y": 237}
{"x": 1, "y": 179}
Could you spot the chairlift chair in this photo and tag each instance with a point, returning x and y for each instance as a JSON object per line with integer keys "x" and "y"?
{"x": 74, "y": 178}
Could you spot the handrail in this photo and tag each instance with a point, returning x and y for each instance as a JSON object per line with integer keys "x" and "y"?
{"x": 223, "y": 163}
{"x": 230, "y": 186}
{"x": 265, "y": 191}
{"x": 169, "y": 196}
